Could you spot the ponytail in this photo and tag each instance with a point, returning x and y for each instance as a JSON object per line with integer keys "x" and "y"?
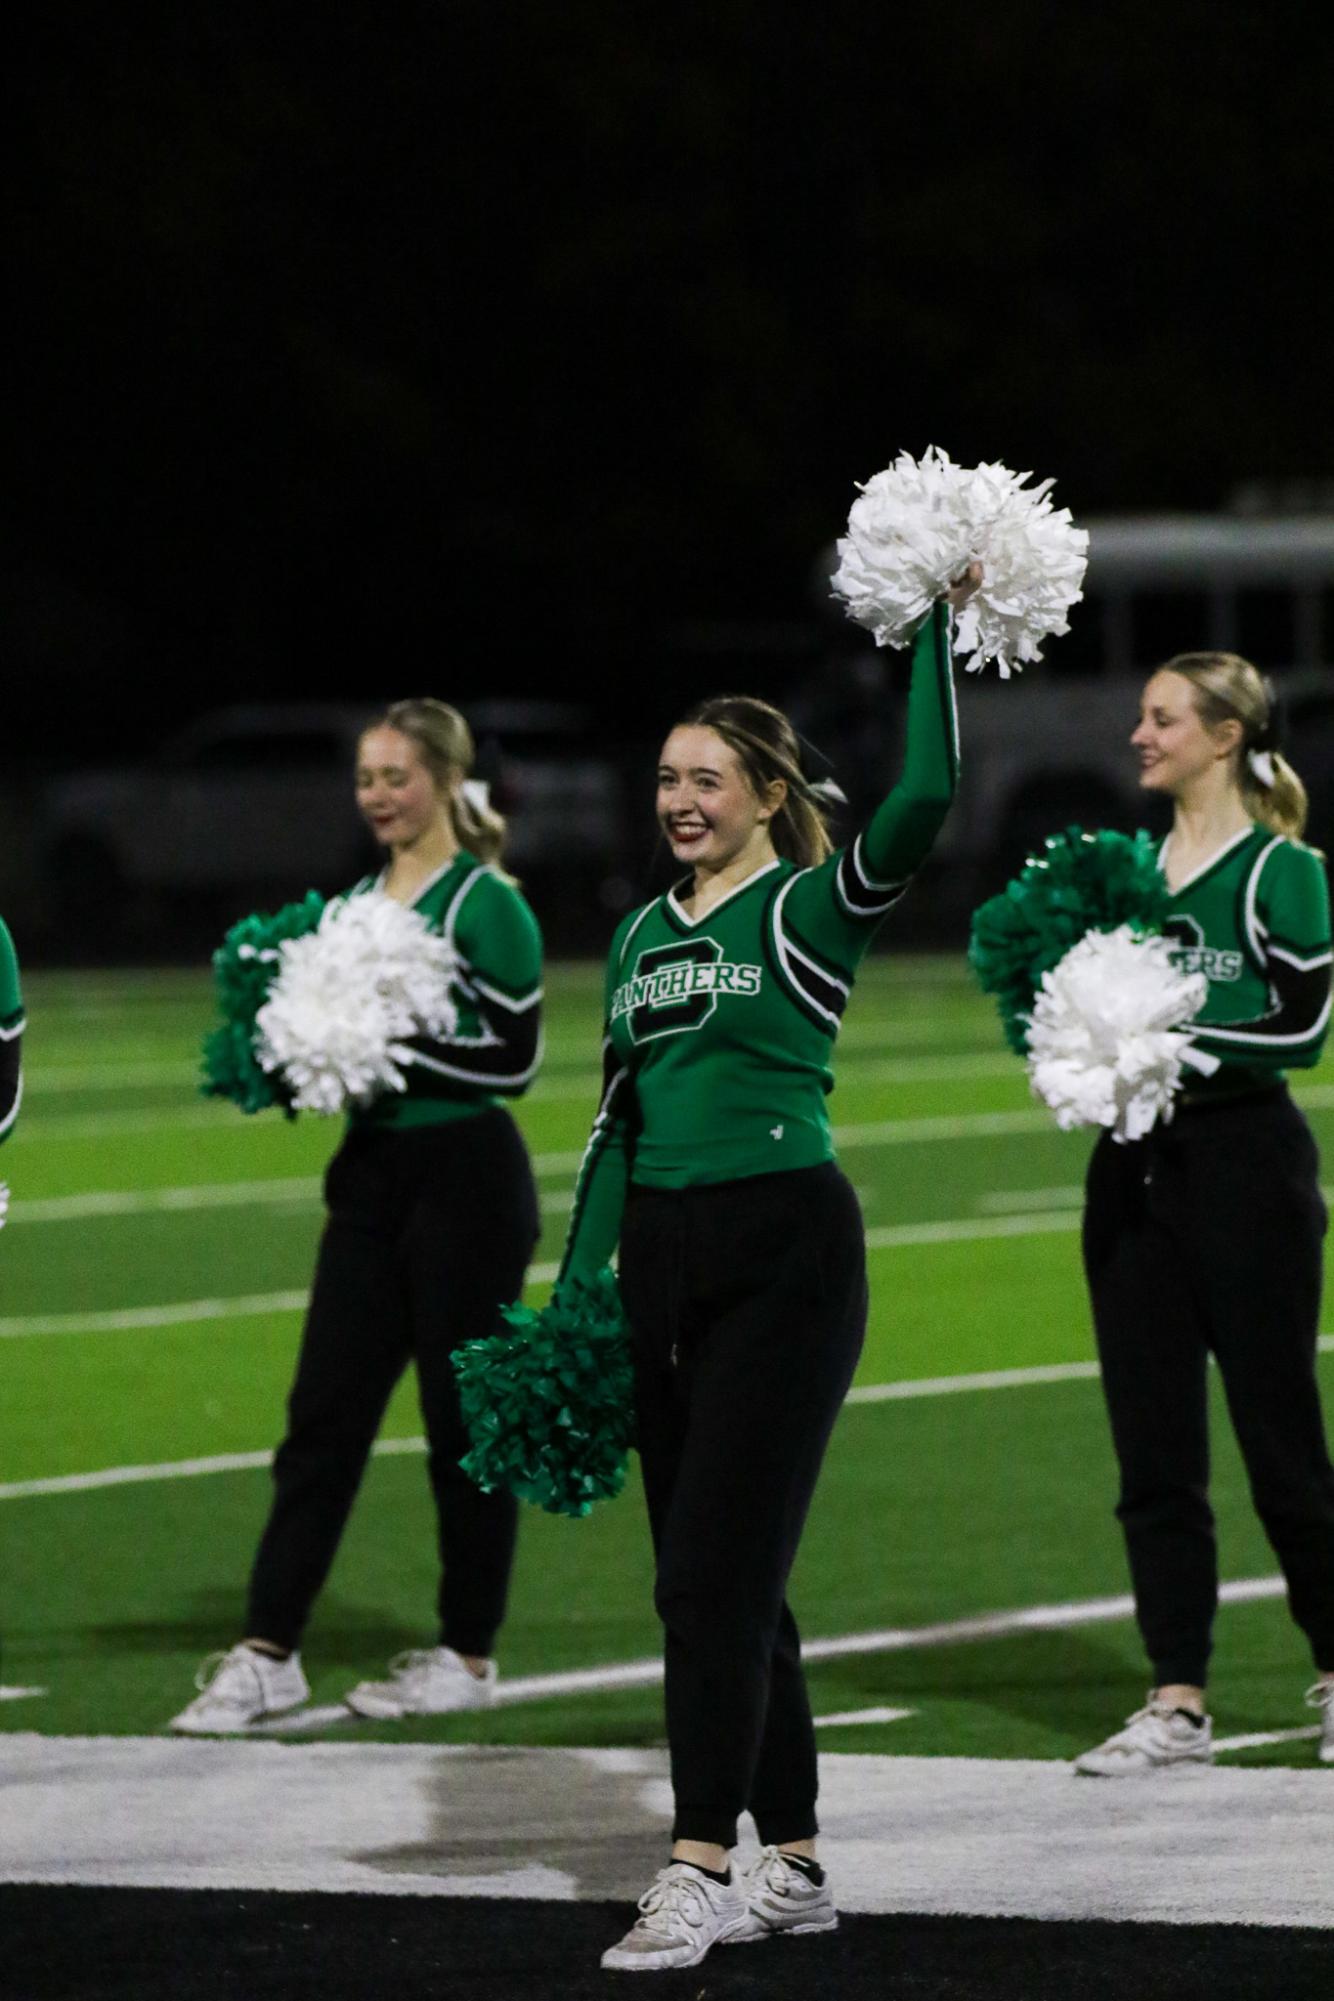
{"x": 1228, "y": 689}
{"x": 444, "y": 743}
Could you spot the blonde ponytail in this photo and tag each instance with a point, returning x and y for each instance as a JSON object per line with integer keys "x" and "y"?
{"x": 1228, "y": 689}
{"x": 444, "y": 743}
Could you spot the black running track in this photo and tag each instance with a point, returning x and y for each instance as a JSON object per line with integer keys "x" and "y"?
{"x": 78, "y": 1944}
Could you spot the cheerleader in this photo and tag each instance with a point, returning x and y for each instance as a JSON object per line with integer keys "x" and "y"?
{"x": 11, "y": 1042}
{"x": 742, "y": 1261}
{"x": 432, "y": 1219}
{"x": 1205, "y": 1237}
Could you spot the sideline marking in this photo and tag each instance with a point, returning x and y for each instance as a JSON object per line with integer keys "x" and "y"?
{"x": 19, "y": 1694}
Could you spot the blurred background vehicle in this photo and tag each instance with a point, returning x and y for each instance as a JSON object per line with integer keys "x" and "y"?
{"x": 252, "y": 805}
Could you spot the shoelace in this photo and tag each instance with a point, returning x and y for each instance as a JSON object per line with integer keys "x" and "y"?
{"x": 670, "y": 1896}
{"x": 777, "y": 1872}
{"x": 1159, "y": 1709}
{"x": 220, "y": 1672}
{"x": 417, "y": 1660}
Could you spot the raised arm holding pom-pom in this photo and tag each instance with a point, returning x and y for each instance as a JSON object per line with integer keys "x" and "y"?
{"x": 742, "y": 1258}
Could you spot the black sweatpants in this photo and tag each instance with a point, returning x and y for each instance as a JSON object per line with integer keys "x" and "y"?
{"x": 747, "y": 1305}
{"x": 429, "y": 1231}
{"x": 1205, "y": 1238}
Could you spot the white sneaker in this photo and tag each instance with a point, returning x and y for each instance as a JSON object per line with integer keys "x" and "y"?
{"x": 780, "y": 1898}
{"x": 1153, "y": 1737}
{"x": 1320, "y": 1695}
{"x": 681, "y": 1914}
{"x": 429, "y": 1681}
{"x": 240, "y": 1688}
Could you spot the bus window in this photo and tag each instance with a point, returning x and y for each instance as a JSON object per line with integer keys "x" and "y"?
{"x": 1164, "y": 622}
{"x": 1266, "y": 626}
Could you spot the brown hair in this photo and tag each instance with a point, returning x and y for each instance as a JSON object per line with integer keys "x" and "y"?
{"x": 766, "y": 747}
{"x": 445, "y": 746}
{"x": 1228, "y": 689}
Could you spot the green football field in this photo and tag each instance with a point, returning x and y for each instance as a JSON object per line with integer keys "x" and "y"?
{"x": 151, "y": 1280}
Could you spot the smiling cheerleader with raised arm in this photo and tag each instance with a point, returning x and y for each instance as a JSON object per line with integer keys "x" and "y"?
{"x": 742, "y": 1260}
{"x": 1204, "y": 1236}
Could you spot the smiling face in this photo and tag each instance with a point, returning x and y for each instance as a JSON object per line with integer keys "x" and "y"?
{"x": 1177, "y": 749}
{"x": 396, "y": 792}
{"x": 706, "y": 804}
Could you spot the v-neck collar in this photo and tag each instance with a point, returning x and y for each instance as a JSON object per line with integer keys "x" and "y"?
{"x": 689, "y": 922}
{"x": 438, "y": 875}
{"x": 1218, "y": 855}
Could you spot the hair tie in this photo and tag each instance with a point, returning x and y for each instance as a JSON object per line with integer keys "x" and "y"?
{"x": 829, "y": 792}
{"x": 477, "y": 793}
{"x": 1260, "y": 764}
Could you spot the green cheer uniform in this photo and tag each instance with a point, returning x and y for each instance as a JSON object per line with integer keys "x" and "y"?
{"x": 495, "y": 1047}
{"x": 11, "y": 1034}
{"x": 1203, "y": 1240}
{"x": 433, "y": 1217}
{"x": 719, "y": 1031}
{"x": 1255, "y": 921}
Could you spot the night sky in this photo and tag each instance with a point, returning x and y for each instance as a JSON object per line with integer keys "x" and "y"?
{"x": 521, "y": 347}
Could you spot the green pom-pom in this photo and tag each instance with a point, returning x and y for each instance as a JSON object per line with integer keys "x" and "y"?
{"x": 1077, "y": 883}
{"x": 549, "y": 1405}
{"x": 244, "y": 968}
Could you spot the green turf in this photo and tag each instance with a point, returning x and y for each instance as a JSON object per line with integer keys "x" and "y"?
{"x": 931, "y": 1509}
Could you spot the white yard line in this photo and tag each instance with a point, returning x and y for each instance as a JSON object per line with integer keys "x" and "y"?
{"x": 53, "y": 1079}
{"x": 301, "y": 1191}
{"x": 246, "y": 1306}
{"x": 971, "y": 1230}
{"x": 864, "y": 1393}
{"x": 646, "y": 1673}
{"x": 1012, "y": 1201}
{"x": 988, "y": 1379}
{"x": 1253, "y": 1740}
{"x": 882, "y": 1132}
{"x": 179, "y": 1312}
{"x": 877, "y": 1715}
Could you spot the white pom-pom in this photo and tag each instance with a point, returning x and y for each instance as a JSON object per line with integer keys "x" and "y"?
{"x": 917, "y": 526}
{"x": 346, "y": 998}
{"x": 1105, "y": 1038}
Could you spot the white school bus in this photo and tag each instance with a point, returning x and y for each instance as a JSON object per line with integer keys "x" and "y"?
{"x": 1053, "y": 750}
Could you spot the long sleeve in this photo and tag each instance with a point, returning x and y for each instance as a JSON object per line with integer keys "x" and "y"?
{"x": 1287, "y": 923}
{"x": 604, "y": 1173}
{"x": 836, "y": 907}
{"x": 11, "y": 1034}
{"x": 498, "y": 1045}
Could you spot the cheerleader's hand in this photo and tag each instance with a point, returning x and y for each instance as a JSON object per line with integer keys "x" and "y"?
{"x": 963, "y": 587}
